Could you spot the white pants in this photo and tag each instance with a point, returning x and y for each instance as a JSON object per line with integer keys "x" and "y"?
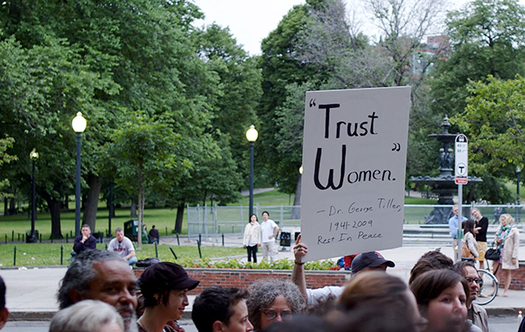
{"x": 268, "y": 249}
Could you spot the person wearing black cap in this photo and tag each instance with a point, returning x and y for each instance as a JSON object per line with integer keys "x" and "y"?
{"x": 4, "y": 313}
{"x": 164, "y": 286}
{"x": 368, "y": 261}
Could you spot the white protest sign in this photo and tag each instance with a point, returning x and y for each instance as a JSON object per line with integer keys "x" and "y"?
{"x": 354, "y": 159}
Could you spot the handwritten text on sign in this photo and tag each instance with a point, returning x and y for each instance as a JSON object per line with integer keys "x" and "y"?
{"x": 354, "y": 159}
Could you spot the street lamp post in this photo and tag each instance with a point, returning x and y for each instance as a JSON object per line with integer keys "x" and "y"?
{"x": 518, "y": 171}
{"x": 79, "y": 125}
{"x": 251, "y": 136}
{"x": 32, "y": 238}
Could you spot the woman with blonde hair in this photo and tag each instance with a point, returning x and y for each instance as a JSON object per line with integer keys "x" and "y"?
{"x": 508, "y": 242}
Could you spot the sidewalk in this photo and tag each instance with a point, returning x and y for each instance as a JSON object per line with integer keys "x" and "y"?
{"x": 31, "y": 292}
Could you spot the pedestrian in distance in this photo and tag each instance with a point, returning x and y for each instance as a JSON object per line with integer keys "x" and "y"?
{"x": 252, "y": 238}
{"x": 508, "y": 242}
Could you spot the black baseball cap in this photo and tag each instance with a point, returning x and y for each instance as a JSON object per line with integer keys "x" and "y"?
{"x": 165, "y": 276}
{"x": 372, "y": 258}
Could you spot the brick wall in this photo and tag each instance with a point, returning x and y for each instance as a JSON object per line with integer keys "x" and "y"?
{"x": 242, "y": 278}
{"x": 518, "y": 277}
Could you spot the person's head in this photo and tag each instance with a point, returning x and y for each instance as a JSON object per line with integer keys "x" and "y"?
{"x": 164, "y": 286}
{"x": 468, "y": 226}
{"x": 272, "y": 300}
{"x": 368, "y": 317}
{"x": 265, "y": 215}
{"x": 101, "y": 275}
{"x": 468, "y": 271}
{"x": 253, "y": 218}
{"x": 4, "y": 313}
{"x": 431, "y": 260}
{"x": 153, "y": 227}
{"x": 88, "y": 315}
{"x": 455, "y": 209}
{"x": 370, "y": 261}
{"x": 85, "y": 230}
{"x": 506, "y": 219}
{"x": 219, "y": 309}
{"x": 379, "y": 289}
{"x": 119, "y": 234}
{"x": 442, "y": 297}
{"x": 476, "y": 214}
{"x": 301, "y": 323}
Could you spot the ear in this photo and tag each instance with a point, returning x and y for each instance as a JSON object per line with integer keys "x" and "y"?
{"x": 218, "y": 326}
{"x": 4, "y": 315}
{"x": 75, "y": 296}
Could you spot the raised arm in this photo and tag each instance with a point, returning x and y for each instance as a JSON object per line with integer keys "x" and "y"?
{"x": 298, "y": 278}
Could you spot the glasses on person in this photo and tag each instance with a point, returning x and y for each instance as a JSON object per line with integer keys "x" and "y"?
{"x": 273, "y": 314}
{"x": 477, "y": 280}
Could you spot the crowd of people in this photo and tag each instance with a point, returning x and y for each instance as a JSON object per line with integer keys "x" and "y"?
{"x": 100, "y": 293}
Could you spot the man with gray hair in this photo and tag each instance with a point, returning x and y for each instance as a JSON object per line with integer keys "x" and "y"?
{"x": 105, "y": 276}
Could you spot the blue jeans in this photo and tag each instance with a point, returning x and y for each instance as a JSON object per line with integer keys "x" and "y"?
{"x": 132, "y": 260}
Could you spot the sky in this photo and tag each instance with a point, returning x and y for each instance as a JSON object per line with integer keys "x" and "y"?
{"x": 250, "y": 21}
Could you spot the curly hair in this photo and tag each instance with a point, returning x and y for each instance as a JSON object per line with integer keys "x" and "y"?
{"x": 81, "y": 273}
{"x": 262, "y": 294}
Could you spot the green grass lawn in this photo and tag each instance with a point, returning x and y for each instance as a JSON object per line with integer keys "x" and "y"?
{"x": 14, "y": 227}
{"x": 42, "y": 254}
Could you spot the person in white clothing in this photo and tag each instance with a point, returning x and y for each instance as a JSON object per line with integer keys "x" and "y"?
{"x": 122, "y": 246}
{"x": 269, "y": 230}
{"x": 252, "y": 238}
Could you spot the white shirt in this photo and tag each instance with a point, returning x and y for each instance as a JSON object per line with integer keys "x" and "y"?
{"x": 267, "y": 229}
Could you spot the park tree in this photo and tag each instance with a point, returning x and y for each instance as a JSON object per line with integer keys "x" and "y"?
{"x": 5, "y": 158}
{"x": 487, "y": 38}
{"x": 234, "y": 100}
{"x": 44, "y": 86}
{"x": 142, "y": 58}
{"x": 494, "y": 118}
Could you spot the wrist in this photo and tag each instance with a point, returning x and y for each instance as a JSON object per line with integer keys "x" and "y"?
{"x": 298, "y": 263}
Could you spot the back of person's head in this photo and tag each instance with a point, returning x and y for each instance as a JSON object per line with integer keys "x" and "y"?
{"x": 2, "y": 293}
{"x": 215, "y": 304}
{"x": 86, "y": 316}
{"x": 302, "y": 323}
{"x": 81, "y": 273}
{"x": 263, "y": 292}
{"x": 369, "y": 317}
{"x": 468, "y": 226}
{"x": 374, "y": 287}
{"x": 431, "y": 284}
{"x": 431, "y": 260}
{"x": 4, "y": 313}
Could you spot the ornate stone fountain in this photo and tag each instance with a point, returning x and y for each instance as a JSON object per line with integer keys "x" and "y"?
{"x": 443, "y": 185}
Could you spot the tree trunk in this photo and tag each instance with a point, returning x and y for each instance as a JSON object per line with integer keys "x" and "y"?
{"x": 178, "y": 219}
{"x": 141, "y": 199}
{"x": 54, "y": 207}
{"x": 296, "y": 210}
{"x": 133, "y": 212}
{"x": 91, "y": 204}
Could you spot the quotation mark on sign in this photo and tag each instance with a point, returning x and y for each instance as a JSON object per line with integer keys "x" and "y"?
{"x": 312, "y": 102}
{"x": 397, "y": 147}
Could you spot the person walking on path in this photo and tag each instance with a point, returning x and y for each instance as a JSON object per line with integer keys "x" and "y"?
{"x": 481, "y": 227}
{"x": 508, "y": 242}
{"x": 453, "y": 225}
{"x": 252, "y": 238}
{"x": 269, "y": 230}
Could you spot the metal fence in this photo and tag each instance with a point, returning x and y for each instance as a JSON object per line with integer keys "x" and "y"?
{"x": 216, "y": 220}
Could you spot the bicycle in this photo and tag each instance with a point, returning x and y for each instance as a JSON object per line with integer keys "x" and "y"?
{"x": 488, "y": 290}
